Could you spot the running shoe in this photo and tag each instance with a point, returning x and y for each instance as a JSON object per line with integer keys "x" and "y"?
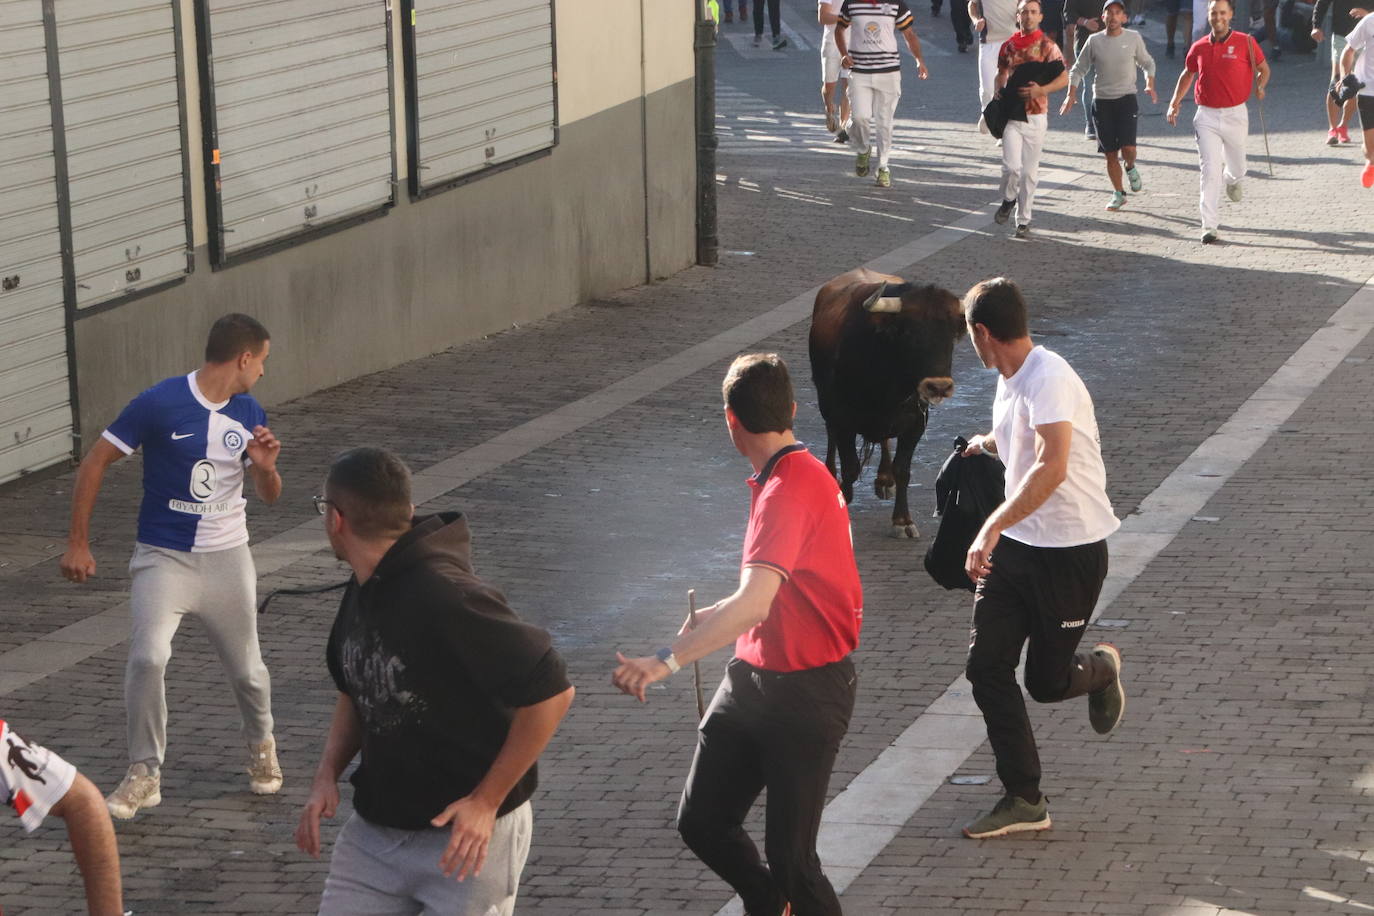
{"x": 1233, "y": 192}
{"x": 1333, "y": 136}
{"x": 861, "y": 164}
{"x": 1004, "y": 212}
{"x": 1133, "y": 176}
{"x": 1012, "y": 814}
{"x": 1108, "y": 705}
{"x": 264, "y": 773}
{"x": 1367, "y": 176}
{"x": 842, "y": 136}
{"x": 1118, "y": 200}
{"x": 779, "y": 42}
{"x": 758, "y": 40}
{"x": 884, "y": 179}
{"x": 1209, "y": 236}
{"x": 141, "y": 788}
{"x": 1022, "y": 231}
{"x": 1343, "y": 133}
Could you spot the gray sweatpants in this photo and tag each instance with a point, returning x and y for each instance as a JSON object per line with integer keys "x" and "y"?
{"x": 382, "y": 871}
{"x": 220, "y": 587}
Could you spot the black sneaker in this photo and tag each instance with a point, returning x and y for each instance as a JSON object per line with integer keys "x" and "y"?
{"x": 1013, "y": 814}
{"x": 842, "y": 136}
{"x": 1004, "y": 212}
{"x": 779, "y": 43}
{"x": 1108, "y": 705}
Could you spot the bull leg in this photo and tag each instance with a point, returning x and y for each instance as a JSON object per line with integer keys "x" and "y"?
{"x": 849, "y": 464}
{"x": 830, "y": 451}
{"x": 902, "y": 524}
{"x": 884, "y": 485}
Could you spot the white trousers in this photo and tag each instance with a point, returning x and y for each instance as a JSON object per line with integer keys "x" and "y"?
{"x": 872, "y": 105}
{"x": 1021, "y": 143}
{"x": 987, "y": 70}
{"x": 1221, "y": 154}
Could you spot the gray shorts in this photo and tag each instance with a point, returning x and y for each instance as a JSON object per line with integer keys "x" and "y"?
{"x": 382, "y": 871}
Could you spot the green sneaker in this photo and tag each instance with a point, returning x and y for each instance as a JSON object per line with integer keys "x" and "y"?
{"x": 1013, "y": 814}
{"x": 861, "y": 165}
{"x": 1108, "y": 705}
{"x": 1133, "y": 176}
{"x": 1118, "y": 200}
{"x": 884, "y": 179}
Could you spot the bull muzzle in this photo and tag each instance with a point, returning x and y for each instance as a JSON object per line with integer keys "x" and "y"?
{"x": 882, "y": 304}
{"x": 935, "y": 390}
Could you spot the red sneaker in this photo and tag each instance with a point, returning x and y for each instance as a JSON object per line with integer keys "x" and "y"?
{"x": 1343, "y": 134}
{"x": 1367, "y": 176}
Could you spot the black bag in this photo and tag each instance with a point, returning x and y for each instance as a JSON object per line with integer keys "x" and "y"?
{"x": 966, "y": 493}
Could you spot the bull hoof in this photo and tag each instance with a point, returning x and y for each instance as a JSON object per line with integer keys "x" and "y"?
{"x": 905, "y": 531}
{"x": 884, "y": 490}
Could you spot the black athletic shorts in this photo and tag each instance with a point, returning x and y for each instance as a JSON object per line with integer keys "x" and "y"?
{"x": 1114, "y": 120}
{"x": 1365, "y": 105}
{"x": 1174, "y": 7}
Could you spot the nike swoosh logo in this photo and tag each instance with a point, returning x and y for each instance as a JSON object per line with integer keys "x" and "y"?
{"x": 182, "y": 435}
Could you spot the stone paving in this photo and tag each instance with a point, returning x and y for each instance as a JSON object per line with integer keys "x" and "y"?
{"x": 1241, "y": 780}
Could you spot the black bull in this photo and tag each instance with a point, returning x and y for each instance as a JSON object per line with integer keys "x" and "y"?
{"x": 881, "y": 350}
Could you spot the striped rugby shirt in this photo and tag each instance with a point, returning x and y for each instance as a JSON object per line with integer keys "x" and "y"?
{"x": 873, "y": 26}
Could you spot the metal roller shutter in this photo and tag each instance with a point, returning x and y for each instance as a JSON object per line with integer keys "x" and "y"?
{"x": 481, "y": 76}
{"x": 300, "y": 116}
{"x": 35, "y": 405}
{"x": 121, "y": 108}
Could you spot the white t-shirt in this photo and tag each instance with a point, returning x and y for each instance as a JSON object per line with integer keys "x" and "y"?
{"x": 32, "y": 778}
{"x": 828, "y": 31}
{"x": 1047, "y": 390}
{"x": 1361, "y": 38}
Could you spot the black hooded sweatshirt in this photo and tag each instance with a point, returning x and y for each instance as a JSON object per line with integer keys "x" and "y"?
{"x": 436, "y": 664}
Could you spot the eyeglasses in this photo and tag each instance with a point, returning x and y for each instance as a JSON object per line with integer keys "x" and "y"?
{"x": 320, "y": 502}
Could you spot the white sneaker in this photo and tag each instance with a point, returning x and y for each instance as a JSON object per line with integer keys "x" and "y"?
{"x": 141, "y": 788}
{"x": 264, "y": 773}
{"x": 1233, "y": 192}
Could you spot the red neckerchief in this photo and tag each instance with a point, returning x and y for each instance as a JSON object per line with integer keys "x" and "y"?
{"x": 1021, "y": 41}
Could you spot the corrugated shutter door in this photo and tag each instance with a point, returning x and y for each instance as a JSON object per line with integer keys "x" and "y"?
{"x": 122, "y": 120}
{"x": 302, "y": 98}
{"x": 35, "y": 406}
{"x": 484, "y": 84}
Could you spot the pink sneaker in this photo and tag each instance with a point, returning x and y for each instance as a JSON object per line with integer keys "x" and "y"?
{"x": 1343, "y": 134}
{"x": 1367, "y": 176}
{"x": 1333, "y": 136}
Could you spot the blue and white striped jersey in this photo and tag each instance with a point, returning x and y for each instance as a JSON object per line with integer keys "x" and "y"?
{"x": 193, "y": 464}
{"x": 872, "y": 38}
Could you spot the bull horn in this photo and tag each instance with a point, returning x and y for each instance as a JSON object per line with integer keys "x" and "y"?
{"x": 882, "y": 304}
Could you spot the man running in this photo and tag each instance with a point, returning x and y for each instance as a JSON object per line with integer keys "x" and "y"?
{"x": 778, "y": 717}
{"x": 1112, "y": 56}
{"x": 1360, "y": 42}
{"x": 1224, "y": 63}
{"x": 1041, "y": 557}
{"x": 201, "y": 434}
{"x": 875, "y": 77}
{"x": 1344, "y": 15}
{"x": 834, "y": 77}
{"x": 1024, "y": 64}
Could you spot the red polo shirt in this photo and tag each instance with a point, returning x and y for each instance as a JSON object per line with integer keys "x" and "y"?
{"x": 799, "y": 528}
{"x": 1223, "y": 69}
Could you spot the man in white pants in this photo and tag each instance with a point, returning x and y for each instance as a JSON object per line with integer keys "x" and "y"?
{"x": 866, "y": 35}
{"x": 1022, "y": 140}
{"x": 1224, "y": 63}
{"x": 996, "y": 20}
{"x": 834, "y": 78}
{"x": 202, "y": 434}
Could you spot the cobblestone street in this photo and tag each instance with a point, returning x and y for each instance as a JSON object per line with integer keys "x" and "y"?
{"x": 589, "y": 454}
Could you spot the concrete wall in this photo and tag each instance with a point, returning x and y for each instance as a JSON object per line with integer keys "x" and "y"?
{"x": 612, "y": 206}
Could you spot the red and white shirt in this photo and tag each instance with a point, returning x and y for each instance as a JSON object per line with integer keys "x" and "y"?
{"x": 1223, "y": 68}
{"x": 799, "y": 528}
{"x": 32, "y": 778}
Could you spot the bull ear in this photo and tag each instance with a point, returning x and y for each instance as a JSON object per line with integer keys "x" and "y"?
{"x": 880, "y": 302}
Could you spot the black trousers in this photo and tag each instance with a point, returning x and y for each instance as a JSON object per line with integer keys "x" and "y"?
{"x": 958, "y": 18}
{"x": 774, "y": 17}
{"x": 1044, "y": 596}
{"x": 779, "y": 732}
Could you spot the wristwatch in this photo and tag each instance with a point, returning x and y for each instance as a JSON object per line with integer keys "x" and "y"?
{"x": 666, "y": 656}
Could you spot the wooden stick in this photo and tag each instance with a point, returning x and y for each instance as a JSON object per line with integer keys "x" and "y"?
{"x": 696, "y": 666}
